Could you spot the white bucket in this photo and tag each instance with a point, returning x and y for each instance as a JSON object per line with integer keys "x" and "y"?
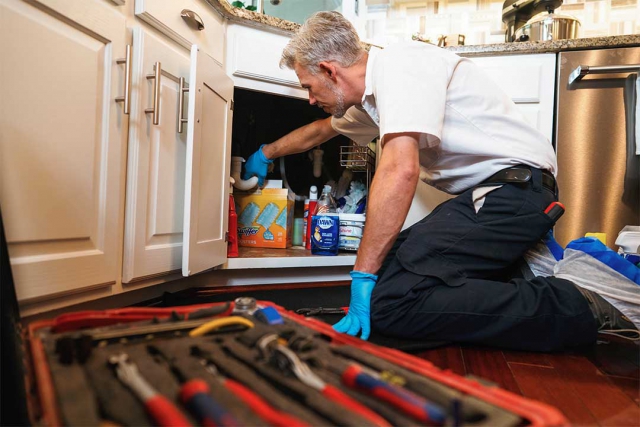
{"x": 351, "y": 229}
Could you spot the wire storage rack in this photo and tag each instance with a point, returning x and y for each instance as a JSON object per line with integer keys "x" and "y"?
{"x": 358, "y": 158}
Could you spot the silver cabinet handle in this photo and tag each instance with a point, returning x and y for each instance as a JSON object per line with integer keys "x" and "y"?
{"x": 127, "y": 79}
{"x": 156, "y": 93}
{"x": 184, "y": 87}
{"x": 583, "y": 70}
{"x": 192, "y": 19}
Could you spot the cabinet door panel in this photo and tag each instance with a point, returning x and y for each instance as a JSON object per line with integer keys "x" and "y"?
{"x": 156, "y": 165}
{"x": 62, "y": 143}
{"x": 529, "y": 81}
{"x": 208, "y": 160}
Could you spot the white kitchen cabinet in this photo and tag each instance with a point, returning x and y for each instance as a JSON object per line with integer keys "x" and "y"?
{"x": 177, "y": 179}
{"x": 529, "y": 80}
{"x": 62, "y": 143}
{"x": 208, "y": 165}
{"x": 187, "y": 22}
{"x": 156, "y": 160}
{"x": 253, "y": 58}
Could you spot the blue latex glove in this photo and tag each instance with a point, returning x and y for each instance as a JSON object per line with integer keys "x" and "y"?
{"x": 358, "y": 317}
{"x": 556, "y": 250}
{"x": 257, "y": 166}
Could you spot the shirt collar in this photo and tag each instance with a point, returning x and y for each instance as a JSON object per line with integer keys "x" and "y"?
{"x": 368, "y": 78}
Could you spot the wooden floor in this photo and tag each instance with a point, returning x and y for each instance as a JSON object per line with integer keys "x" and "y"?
{"x": 599, "y": 386}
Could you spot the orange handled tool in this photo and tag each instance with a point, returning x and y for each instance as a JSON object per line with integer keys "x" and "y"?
{"x": 163, "y": 412}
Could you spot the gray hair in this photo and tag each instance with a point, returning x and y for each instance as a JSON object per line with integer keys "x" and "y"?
{"x": 325, "y": 36}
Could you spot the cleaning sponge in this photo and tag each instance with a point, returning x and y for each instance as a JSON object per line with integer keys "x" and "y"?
{"x": 282, "y": 218}
{"x": 249, "y": 214}
{"x": 266, "y": 219}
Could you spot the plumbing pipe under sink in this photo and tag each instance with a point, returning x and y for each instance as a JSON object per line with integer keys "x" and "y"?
{"x": 236, "y": 170}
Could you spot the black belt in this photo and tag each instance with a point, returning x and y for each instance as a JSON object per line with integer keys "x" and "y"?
{"x": 520, "y": 174}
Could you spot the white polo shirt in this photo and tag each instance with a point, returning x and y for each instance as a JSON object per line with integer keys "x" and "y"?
{"x": 469, "y": 127}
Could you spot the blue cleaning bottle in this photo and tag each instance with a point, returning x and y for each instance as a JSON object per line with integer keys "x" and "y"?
{"x": 325, "y": 225}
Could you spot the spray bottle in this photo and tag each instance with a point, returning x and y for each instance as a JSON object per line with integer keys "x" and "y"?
{"x": 309, "y": 210}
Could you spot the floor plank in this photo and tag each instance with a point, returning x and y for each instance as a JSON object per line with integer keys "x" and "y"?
{"x": 629, "y": 386}
{"x": 608, "y": 404}
{"x": 591, "y": 386}
{"x": 546, "y": 385}
{"x": 490, "y": 365}
{"x": 449, "y": 357}
{"x": 536, "y": 359}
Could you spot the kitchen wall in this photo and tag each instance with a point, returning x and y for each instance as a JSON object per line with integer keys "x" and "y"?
{"x": 386, "y": 21}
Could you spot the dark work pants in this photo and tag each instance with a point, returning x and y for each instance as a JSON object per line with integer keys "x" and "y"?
{"x": 449, "y": 277}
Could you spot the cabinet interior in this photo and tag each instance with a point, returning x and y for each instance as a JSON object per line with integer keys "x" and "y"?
{"x": 261, "y": 118}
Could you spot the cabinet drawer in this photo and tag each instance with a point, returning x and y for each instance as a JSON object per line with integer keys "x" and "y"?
{"x": 523, "y": 77}
{"x": 253, "y": 62}
{"x": 166, "y": 16}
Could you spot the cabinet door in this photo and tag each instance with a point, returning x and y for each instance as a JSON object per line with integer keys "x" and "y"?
{"x": 208, "y": 161}
{"x": 529, "y": 80}
{"x": 156, "y": 162}
{"x": 62, "y": 139}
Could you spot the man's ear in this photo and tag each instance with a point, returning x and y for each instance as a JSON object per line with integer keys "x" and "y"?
{"x": 329, "y": 69}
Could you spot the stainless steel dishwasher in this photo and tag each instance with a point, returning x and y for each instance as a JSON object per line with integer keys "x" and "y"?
{"x": 595, "y": 135}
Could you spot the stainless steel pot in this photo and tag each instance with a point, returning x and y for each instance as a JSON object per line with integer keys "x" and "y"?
{"x": 548, "y": 26}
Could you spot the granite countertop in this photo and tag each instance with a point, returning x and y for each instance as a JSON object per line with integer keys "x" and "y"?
{"x": 271, "y": 23}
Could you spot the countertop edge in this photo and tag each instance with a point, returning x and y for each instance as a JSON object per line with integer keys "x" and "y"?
{"x": 551, "y": 46}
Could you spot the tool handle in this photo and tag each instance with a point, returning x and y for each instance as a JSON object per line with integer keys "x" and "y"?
{"x": 261, "y": 408}
{"x": 406, "y": 401}
{"x": 164, "y": 413}
{"x": 353, "y": 405}
{"x": 194, "y": 394}
{"x": 555, "y": 210}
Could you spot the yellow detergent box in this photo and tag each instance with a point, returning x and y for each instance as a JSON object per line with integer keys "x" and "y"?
{"x": 265, "y": 218}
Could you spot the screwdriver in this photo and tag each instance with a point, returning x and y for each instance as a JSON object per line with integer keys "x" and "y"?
{"x": 411, "y": 404}
{"x": 163, "y": 412}
{"x": 195, "y": 395}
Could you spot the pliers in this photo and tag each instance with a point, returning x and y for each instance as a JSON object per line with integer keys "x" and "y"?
{"x": 315, "y": 311}
{"x": 269, "y": 347}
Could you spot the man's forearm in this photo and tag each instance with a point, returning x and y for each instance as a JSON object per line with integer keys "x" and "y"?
{"x": 389, "y": 200}
{"x": 301, "y": 139}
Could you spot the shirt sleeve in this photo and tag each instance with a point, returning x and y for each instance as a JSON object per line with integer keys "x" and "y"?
{"x": 356, "y": 125}
{"x": 410, "y": 87}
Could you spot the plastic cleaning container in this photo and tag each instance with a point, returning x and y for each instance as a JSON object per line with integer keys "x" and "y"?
{"x": 351, "y": 230}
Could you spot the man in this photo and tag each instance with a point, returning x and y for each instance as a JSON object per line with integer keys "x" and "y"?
{"x": 442, "y": 120}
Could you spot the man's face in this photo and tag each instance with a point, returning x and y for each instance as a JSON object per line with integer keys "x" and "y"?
{"x": 323, "y": 91}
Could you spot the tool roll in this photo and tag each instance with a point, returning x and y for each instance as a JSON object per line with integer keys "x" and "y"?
{"x": 245, "y": 363}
